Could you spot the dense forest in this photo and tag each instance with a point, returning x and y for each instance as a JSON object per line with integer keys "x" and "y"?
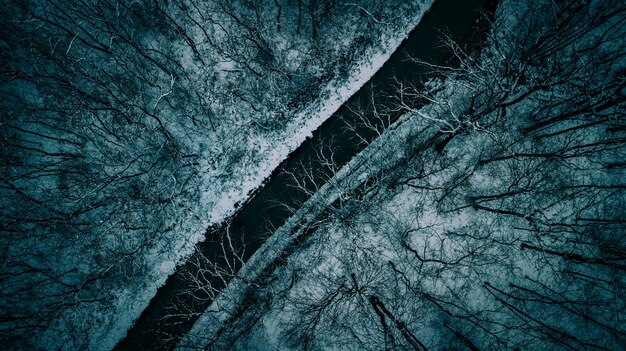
{"x": 491, "y": 215}
{"x": 129, "y": 127}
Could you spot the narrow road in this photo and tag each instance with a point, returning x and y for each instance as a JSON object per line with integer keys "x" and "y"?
{"x": 461, "y": 19}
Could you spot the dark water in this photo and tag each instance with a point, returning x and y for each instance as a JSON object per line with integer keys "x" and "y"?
{"x": 461, "y": 19}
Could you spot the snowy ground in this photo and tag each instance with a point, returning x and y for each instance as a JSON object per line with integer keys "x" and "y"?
{"x": 457, "y": 265}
